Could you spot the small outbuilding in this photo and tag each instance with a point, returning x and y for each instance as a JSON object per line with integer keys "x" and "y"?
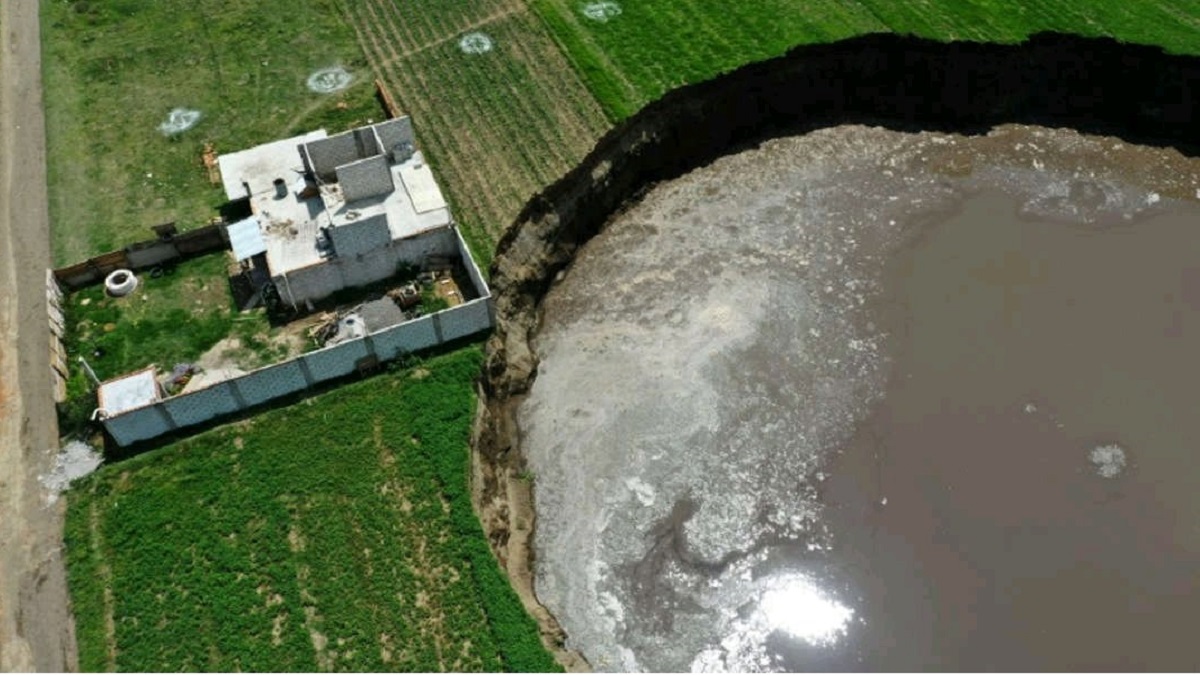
{"x": 125, "y": 393}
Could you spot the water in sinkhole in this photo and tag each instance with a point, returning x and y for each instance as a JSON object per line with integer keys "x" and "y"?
{"x": 863, "y": 399}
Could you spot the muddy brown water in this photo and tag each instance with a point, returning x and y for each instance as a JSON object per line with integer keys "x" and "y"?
{"x": 870, "y": 400}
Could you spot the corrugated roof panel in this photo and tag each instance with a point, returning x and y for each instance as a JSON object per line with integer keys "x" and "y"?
{"x": 246, "y": 239}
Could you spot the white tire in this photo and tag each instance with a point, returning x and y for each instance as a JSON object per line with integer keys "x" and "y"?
{"x": 120, "y": 282}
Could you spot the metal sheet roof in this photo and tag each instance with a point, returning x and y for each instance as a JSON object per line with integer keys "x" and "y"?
{"x": 246, "y": 239}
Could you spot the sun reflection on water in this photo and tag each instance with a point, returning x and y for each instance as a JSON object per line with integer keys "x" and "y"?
{"x": 793, "y": 605}
{"x": 798, "y": 608}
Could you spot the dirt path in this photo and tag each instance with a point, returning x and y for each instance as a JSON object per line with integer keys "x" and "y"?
{"x": 36, "y": 628}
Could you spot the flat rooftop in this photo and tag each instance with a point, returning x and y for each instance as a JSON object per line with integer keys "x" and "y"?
{"x": 128, "y": 392}
{"x": 290, "y": 223}
{"x": 254, "y": 170}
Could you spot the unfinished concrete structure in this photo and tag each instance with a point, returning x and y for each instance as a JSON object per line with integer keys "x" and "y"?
{"x": 330, "y": 212}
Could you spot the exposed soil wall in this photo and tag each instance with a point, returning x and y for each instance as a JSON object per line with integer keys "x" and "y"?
{"x": 1096, "y": 86}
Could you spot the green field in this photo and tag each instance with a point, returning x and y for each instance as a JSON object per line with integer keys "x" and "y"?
{"x": 653, "y": 46}
{"x": 497, "y": 126}
{"x": 113, "y": 71}
{"x": 334, "y": 534}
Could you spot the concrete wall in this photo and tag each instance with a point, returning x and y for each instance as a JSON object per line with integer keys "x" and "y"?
{"x": 394, "y": 132}
{"x": 143, "y": 255}
{"x": 201, "y": 405}
{"x": 303, "y": 372}
{"x": 264, "y": 384}
{"x": 408, "y": 337}
{"x": 333, "y": 362}
{"x": 139, "y": 424}
{"x": 464, "y": 319}
{"x": 309, "y": 283}
{"x": 365, "y": 178}
{"x": 319, "y": 281}
{"x": 368, "y": 268}
{"x": 361, "y": 236}
{"x": 149, "y": 254}
{"x": 438, "y": 242}
{"x": 327, "y": 154}
{"x": 477, "y": 280}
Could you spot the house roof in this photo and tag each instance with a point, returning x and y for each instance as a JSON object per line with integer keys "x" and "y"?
{"x": 246, "y": 239}
{"x": 127, "y": 392}
{"x": 254, "y": 170}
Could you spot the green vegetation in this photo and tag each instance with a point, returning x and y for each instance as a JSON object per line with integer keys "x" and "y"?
{"x": 113, "y": 71}
{"x": 497, "y": 126}
{"x": 336, "y": 533}
{"x": 174, "y": 317}
{"x": 170, "y": 319}
{"x": 653, "y": 46}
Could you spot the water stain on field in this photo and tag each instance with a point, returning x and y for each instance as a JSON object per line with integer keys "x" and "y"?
{"x": 870, "y": 400}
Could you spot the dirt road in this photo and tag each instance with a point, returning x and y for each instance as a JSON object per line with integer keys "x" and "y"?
{"x": 36, "y": 628}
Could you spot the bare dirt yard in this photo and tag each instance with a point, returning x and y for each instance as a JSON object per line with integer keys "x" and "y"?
{"x": 36, "y": 629}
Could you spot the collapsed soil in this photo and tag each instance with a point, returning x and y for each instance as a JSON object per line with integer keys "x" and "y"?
{"x": 834, "y": 403}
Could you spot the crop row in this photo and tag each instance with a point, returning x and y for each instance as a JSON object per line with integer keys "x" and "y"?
{"x": 332, "y": 534}
{"x": 497, "y": 125}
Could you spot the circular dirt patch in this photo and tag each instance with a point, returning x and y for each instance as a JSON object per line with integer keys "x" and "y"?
{"x": 179, "y": 120}
{"x": 329, "y": 80}
{"x": 476, "y": 43}
{"x": 602, "y": 12}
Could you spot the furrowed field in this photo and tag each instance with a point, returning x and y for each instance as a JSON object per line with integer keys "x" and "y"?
{"x": 498, "y": 125}
{"x": 335, "y": 534}
{"x": 632, "y": 51}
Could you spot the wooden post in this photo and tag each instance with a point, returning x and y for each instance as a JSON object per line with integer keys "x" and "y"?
{"x": 389, "y": 104}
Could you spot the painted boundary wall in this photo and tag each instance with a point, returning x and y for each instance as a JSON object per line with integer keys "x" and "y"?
{"x": 307, "y": 370}
{"x": 298, "y": 374}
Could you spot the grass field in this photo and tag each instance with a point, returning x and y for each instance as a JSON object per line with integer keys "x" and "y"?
{"x": 652, "y": 46}
{"x": 334, "y": 534}
{"x": 113, "y": 71}
{"x": 175, "y": 317}
{"x": 498, "y": 126}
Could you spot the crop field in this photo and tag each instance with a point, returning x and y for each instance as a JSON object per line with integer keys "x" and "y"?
{"x": 334, "y": 534}
{"x": 498, "y": 125}
{"x": 632, "y": 51}
{"x": 115, "y": 70}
